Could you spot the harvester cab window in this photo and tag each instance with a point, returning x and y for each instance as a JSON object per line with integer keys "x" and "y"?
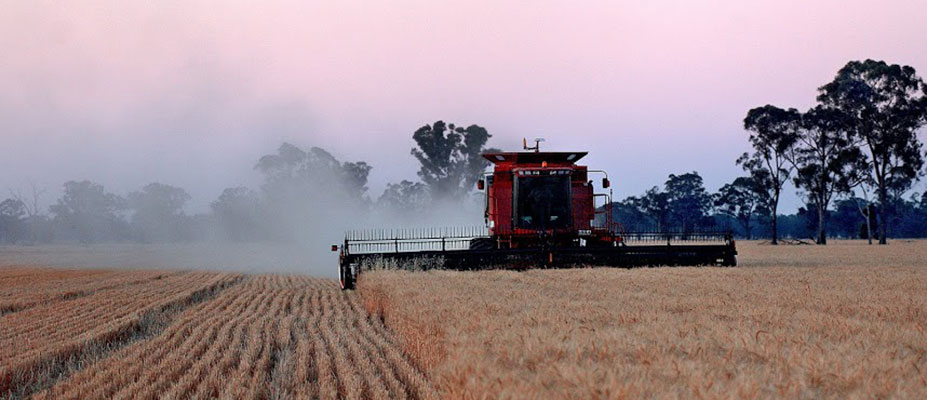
{"x": 542, "y": 201}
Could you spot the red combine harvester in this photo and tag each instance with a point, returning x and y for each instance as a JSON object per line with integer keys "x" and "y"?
{"x": 541, "y": 211}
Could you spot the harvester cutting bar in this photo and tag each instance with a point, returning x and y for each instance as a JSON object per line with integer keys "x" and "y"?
{"x": 669, "y": 238}
{"x": 375, "y": 241}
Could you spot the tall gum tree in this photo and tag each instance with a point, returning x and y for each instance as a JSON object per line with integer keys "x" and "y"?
{"x": 774, "y": 133}
{"x": 826, "y": 161}
{"x": 886, "y": 104}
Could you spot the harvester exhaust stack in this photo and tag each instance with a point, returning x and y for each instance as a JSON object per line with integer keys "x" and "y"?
{"x": 540, "y": 211}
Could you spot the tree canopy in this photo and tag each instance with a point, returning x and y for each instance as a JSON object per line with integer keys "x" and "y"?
{"x": 158, "y": 213}
{"x": 406, "y": 198}
{"x": 292, "y": 170}
{"x": 240, "y": 215}
{"x": 683, "y": 204}
{"x": 739, "y": 200}
{"x": 885, "y": 104}
{"x": 827, "y": 160}
{"x": 12, "y": 216}
{"x": 450, "y": 158}
{"x": 87, "y": 212}
{"x": 773, "y": 135}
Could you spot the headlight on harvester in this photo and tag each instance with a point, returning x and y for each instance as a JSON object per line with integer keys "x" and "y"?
{"x": 585, "y": 232}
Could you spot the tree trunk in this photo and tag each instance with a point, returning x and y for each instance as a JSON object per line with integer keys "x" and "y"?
{"x": 822, "y": 231}
{"x": 775, "y": 232}
{"x": 883, "y": 213}
{"x": 867, "y": 216}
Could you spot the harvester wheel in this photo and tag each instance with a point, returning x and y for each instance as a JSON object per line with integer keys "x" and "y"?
{"x": 347, "y": 277}
{"x": 729, "y": 261}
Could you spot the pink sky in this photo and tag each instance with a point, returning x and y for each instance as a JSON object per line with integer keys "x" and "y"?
{"x": 191, "y": 93}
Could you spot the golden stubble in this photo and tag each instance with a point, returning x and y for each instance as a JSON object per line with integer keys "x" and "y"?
{"x": 146, "y": 335}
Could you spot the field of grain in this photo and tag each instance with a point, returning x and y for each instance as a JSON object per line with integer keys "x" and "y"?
{"x": 148, "y": 334}
{"x": 842, "y": 321}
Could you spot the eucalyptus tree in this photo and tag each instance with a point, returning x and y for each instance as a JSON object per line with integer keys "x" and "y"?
{"x": 827, "y": 160}
{"x": 774, "y": 133}
{"x": 157, "y": 213}
{"x": 88, "y": 213}
{"x": 689, "y": 203}
{"x": 450, "y": 158}
{"x": 739, "y": 200}
{"x": 885, "y": 105}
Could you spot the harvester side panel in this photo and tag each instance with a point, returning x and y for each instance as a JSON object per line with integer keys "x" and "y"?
{"x": 501, "y": 199}
{"x": 583, "y": 204}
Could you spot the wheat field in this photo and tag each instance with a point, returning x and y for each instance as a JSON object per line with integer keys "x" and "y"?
{"x": 842, "y": 321}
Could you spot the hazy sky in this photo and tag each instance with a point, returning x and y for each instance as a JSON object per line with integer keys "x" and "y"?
{"x": 191, "y": 93}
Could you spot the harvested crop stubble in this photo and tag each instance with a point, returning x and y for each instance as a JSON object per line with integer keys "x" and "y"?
{"x": 34, "y": 341}
{"x": 12, "y": 274}
{"x": 19, "y": 291}
{"x": 839, "y": 330}
{"x": 268, "y": 337}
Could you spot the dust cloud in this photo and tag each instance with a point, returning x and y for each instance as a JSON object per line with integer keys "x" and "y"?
{"x": 305, "y": 202}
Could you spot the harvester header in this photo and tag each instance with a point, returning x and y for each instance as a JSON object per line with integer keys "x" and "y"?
{"x": 541, "y": 210}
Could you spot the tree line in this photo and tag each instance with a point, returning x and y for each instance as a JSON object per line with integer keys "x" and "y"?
{"x": 683, "y": 204}
{"x": 303, "y": 194}
{"x": 860, "y": 137}
{"x": 852, "y": 158}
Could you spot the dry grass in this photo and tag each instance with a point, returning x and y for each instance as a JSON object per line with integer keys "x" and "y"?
{"x": 24, "y": 287}
{"x": 842, "y": 321}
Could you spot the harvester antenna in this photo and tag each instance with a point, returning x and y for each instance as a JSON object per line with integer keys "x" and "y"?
{"x": 537, "y": 144}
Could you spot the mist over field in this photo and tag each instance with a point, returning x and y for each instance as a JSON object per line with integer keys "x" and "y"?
{"x": 305, "y": 202}
{"x": 239, "y": 257}
{"x": 307, "y": 252}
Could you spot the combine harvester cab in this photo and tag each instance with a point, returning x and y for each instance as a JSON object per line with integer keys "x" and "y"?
{"x": 540, "y": 212}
